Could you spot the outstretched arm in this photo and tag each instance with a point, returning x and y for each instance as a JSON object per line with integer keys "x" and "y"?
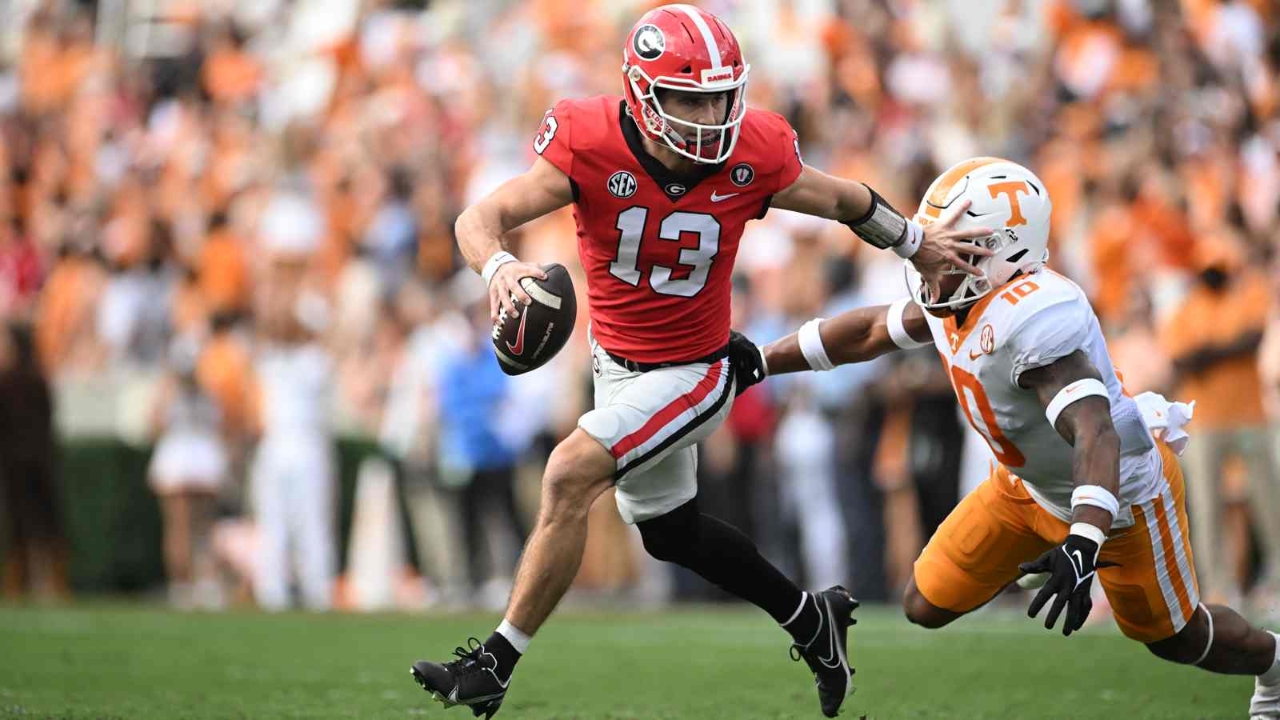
{"x": 855, "y": 336}
{"x": 1078, "y": 405}
{"x": 541, "y": 190}
{"x": 932, "y": 249}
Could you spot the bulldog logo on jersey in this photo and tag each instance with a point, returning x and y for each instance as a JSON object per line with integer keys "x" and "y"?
{"x": 622, "y": 184}
{"x": 676, "y": 189}
{"x": 742, "y": 174}
{"x": 649, "y": 42}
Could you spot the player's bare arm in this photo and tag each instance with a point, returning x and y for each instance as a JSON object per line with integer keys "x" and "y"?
{"x": 1086, "y": 424}
{"x": 541, "y": 190}
{"x": 1077, "y": 403}
{"x": 939, "y": 246}
{"x": 852, "y": 337}
{"x": 822, "y": 344}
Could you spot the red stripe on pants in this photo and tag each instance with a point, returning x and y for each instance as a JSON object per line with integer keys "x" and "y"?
{"x": 670, "y": 412}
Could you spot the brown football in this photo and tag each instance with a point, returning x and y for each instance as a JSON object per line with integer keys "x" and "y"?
{"x": 527, "y": 342}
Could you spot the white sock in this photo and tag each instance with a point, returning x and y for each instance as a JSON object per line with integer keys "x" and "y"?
{"x": 515, "y": 636}
{"x": 1272, "y": 676}
{"x": 804, "y": 597}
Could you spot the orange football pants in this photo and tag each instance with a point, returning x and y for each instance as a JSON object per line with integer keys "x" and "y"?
{"x": 977, "y": 549}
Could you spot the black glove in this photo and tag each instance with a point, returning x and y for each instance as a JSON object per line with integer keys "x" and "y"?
{"x": 1072, "y": 566}
{"x": 746, "y": 360}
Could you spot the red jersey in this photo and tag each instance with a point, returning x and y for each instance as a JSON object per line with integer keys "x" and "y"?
{"x": 658, "y": 248}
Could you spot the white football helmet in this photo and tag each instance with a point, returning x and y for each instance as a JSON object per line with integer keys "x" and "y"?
{"x": 1004, "y": 196}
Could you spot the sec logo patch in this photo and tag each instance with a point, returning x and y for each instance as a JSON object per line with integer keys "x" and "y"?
{"x": 987, "y": 340}
{"x": 622, "y": 184}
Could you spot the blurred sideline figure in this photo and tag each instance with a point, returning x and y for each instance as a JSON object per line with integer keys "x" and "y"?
{"x": 1213, "y": 340}
{"x": 188, "y": 469}
{"x": 478, "y": 452}
{"x": 293, "y": 473}
{"x": 37, "y": 555}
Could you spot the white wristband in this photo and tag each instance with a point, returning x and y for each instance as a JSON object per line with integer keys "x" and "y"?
{"x": 1089, "y": 530}
{"x": 811, "y": 346}
{"x": 1095, "y": 496}
{"x": 498, "y": 259}
{"x": 898, "y": 330}
{"x": 1074, "y": 392}
{"x": 911, "y": 243}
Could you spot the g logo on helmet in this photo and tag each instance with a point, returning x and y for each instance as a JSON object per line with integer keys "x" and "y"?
{"x": 649, "y": 42}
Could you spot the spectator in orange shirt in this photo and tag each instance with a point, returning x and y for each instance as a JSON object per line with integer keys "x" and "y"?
{"x": 231, "y": 75}
{"x": 225, "y": 277}
{"x": 1213, "y": 339}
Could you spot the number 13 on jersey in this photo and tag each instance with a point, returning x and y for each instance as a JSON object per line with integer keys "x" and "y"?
{"x": 696, "y": 260}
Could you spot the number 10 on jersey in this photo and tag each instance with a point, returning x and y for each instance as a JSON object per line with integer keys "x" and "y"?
{"x": 697, "y": 261}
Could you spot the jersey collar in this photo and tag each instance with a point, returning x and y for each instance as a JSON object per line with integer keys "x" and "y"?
{"x": 659, "y": 173}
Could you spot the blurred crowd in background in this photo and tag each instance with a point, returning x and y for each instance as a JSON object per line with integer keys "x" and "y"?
{"x": 226, "y": 230}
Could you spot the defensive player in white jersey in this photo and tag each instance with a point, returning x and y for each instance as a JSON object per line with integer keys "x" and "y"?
{"x": 1082, "y": 486}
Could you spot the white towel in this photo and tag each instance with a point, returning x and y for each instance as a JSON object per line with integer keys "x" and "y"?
{"x": 1167, "y": 419}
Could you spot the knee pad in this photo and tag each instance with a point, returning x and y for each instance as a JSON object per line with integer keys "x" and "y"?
{"x": 674, "y": 536}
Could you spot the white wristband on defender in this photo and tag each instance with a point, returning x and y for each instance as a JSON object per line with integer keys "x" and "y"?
{"x": 898, "y": 330}
{"x": 911, "y": 243}
{"x": 498, "y": 260}
{"x": 1074, "y": 392}
{"x": 1095, "y": 496}
{"x": 1089, "y": 530}
{"x": 815, "y": 353}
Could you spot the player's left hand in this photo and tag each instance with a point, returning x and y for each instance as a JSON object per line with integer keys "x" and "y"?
{"x": 747, "y": 362}
{"x": 1071, "y": 567}
{"x": 945, "y": 246}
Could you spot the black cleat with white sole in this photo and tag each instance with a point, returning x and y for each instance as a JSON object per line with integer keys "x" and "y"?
{"x": 827, "y": 654}
{"x": 472, "y": 680}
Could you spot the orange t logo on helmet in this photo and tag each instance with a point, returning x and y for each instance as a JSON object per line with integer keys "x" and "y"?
{"x": 1011, "y": 190}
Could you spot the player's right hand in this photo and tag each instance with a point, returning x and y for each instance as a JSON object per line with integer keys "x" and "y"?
{"x": 505, "y": 293}
{"x": 945, "y": 247}
{"x": 1071, "y": 567}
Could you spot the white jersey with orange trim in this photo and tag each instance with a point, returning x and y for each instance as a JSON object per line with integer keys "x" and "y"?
{"x": 1029, "y": 323}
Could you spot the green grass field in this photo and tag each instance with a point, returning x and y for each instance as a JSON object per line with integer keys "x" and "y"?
{"x": 110, "y": 662}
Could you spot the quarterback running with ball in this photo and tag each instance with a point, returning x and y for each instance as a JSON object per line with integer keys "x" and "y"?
{"x": 663, "y": 179}
{"x": 1082, "y": 487}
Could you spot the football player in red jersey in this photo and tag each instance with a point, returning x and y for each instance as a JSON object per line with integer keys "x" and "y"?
{"x": 663, "y": 180}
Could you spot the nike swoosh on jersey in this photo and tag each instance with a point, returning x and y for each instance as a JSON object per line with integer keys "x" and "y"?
{"x": 974, "y": 355}
{"x": 519, "y": 346}
{"x": 718, "y": 198}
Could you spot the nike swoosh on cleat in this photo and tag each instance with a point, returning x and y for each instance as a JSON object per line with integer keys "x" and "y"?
{"x": 832, "y": 661}
{"x": 493, "y": 670}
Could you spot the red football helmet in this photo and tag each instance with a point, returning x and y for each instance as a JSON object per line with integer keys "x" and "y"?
{"x": 681, "y": 47}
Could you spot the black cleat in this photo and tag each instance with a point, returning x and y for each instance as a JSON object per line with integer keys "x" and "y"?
{"x": 827, "y": 655}
{"x": 471, "y": 680}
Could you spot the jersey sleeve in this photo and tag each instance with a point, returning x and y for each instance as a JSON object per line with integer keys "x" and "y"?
{"x": 554, "y": 139}
{"x": 789, "y": 147}
{"x": 1049, "y": 334}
